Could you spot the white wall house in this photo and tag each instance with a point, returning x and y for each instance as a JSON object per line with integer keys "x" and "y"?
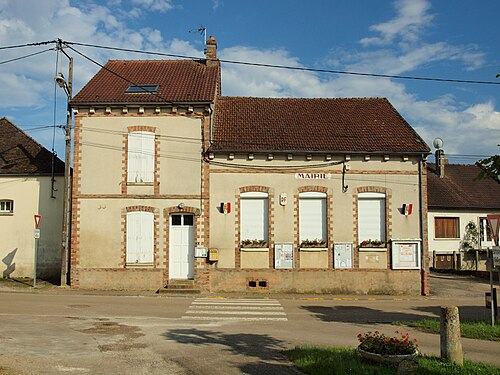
{"x": 27, "y": 189}
{"x": 456, "y": 198}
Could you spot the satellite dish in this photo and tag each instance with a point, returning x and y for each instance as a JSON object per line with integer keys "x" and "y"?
{"x": 438, "y": 143}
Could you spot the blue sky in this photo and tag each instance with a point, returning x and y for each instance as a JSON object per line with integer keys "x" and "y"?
{"x": 428, "y": 38}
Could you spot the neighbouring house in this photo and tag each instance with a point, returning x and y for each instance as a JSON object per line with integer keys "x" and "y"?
{"x": 458, "y": 205}
{"x": 31, "y": 183}
{"x": 173, "y": 181}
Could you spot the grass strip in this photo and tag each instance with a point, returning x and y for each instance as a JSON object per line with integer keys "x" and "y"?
{"x": 316, "y": 360}
{"x": 472, "y": 329}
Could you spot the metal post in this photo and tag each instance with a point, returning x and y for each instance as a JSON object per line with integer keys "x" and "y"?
{"x": 65, "y": 251}
{"x": 35, "y": 261}
{"x": 490, "y": 261}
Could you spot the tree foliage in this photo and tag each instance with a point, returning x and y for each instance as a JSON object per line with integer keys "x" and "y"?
{"x": 490, "y": 167}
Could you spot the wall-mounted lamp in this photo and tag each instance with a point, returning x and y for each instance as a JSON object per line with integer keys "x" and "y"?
{"x": 180, "y": 206}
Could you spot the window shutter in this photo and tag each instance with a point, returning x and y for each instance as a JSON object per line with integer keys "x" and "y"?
{"x": 254, "y": 220}
{"x": 148, "y": 157}
{"x": 446, "y": 227}
{"x": 371, "y": 219}
{"x": 312, "y": 218}
{"x": 140, "y": 237}
{"x": 141, "y": 155}
{"x": 134, "y": 157}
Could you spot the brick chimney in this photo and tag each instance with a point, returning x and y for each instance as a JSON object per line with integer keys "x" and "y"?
{"x": 211, "y": 51}
{"x": 441, "y": 161}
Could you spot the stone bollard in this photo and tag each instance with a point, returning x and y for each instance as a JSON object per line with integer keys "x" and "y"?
{"x": 451, "y": 341}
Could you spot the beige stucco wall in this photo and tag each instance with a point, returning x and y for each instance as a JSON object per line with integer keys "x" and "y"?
{"x": 399, "y": 178}
{"x": 319, "y": 281}
{"x": 101, "y": 229}
{"x": 31, "y": 196}
{"x": 103, "y": 153}
{"x": 450, "y": 245}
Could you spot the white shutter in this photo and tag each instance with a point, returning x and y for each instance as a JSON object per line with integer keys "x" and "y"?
{"x": 140, "y": 237}
{"x": 371, "y": 219}
{"x": 312, "y": 219}
{"x": 254, "y": 219}
{"x": 141, "y": 155}
{"x": 148, "y": 157}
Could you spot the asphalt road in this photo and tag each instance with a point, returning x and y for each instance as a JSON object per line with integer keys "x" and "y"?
{"x": 60, "y": 331}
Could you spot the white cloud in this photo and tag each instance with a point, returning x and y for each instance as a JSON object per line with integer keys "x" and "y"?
{"x": 156, "y": 5}
{"x": 407, "y": 26}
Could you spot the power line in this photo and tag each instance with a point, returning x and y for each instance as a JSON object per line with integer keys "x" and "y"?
{"x": 26, "y": 56}
{"x": 292, "y": 67}
{"x": 28, "y": 44}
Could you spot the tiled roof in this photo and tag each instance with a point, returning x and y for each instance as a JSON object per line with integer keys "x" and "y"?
{"x": 333, "y": 125}
{"x": 458, "y": 189}
{"x": 21, "y": 154}
{"x": 178, "y": 80}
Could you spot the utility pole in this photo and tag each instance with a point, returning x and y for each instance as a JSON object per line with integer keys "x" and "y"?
{"x": 68, "y": 88}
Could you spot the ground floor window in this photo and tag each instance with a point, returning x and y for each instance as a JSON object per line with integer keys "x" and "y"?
{"x": 254, "y": 219}
{"x": 6, "y": 206}
{"x": 312, "y": 219}
{"x": 485, "y": 234}
{"x": 371, "y": 217}
{"x": 140, "y": 237}
{"x": 446, "y": 227}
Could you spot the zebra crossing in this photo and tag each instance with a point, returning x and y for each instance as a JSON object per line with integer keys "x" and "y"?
{"x": 236, "y": 309}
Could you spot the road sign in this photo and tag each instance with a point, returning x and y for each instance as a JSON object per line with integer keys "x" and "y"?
{"x": 37, "y": 220}
{"x": 36, "y": 234}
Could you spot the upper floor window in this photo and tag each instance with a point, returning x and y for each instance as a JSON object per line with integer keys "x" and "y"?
{"x": 446, "y": 227}
{"x": 371, "y": 217}
{"x": 312, "y": 219}
{"x": 254, "y": 218}
{"x": 6, "y": 206}
{"x": 141, "y": 157}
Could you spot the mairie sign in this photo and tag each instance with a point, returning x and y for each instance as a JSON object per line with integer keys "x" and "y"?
{"x": 313, "y": 176}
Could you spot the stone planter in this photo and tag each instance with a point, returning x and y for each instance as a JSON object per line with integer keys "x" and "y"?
{"x": 387, "y": 358}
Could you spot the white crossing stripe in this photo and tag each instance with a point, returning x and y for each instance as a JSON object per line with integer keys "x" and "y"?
{"x": 232, "y": 309}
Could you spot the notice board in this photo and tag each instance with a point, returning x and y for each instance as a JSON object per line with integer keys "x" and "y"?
{"x": 342, "y": 255}
{"x": 283, "y": 255}
{"x": 405, "y": 254}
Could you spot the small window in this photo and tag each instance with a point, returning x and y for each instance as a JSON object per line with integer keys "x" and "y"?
{"x": 142, "y": 89}
{"x": 446, "y": 227}
{"x": 176, "y": 219}
{"x": 188, "y": 220}
{"x": 6, "y": 206}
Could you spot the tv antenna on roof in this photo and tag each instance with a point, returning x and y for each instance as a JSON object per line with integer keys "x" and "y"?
{"x": 203, "y": 31}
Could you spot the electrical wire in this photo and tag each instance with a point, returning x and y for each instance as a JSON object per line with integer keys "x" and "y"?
{"x": 26, "y": 56}
{"x": 292, "y": 67}
{"x": 29, "y": 44}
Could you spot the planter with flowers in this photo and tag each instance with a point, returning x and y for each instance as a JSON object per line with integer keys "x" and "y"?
{"x": 377, "y": 347}
{"x": 313, "y": 245}
{"x": 254, "y": 245}
{"x": 372, "y": 245}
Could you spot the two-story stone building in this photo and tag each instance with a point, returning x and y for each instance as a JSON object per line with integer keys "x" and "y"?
{"x": 173, "y": 181}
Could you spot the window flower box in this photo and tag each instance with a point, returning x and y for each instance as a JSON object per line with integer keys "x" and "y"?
{"x": 313, "y": 244}
{"x": 372, "y": 245}
{"x": 254, "y": 244}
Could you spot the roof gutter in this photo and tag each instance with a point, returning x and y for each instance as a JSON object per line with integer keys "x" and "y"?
{"x": 413, "y": 153}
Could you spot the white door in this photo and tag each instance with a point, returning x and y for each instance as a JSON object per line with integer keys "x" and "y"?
{"x": 181, "y": 265}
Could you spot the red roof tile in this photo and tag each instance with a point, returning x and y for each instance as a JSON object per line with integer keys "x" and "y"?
{"x": 21, "y": 154}
{"x": 178, "y": 80}
{"x": 333, "y": 125}
{"x": 458, "y": 189}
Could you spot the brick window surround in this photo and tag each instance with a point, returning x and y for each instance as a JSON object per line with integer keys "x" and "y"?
{"x": 156, "y": 177}
{"x": 388, "y": 219}
{"x": 270, "y": 221}
{"x": 329, "y": 222}
{"x": 156, "y": 232}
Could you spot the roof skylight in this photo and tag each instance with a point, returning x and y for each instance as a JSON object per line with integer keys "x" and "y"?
{"x": 141, "y": 89}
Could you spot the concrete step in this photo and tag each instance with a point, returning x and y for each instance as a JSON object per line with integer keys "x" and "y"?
{"x": 179, "y": 287}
